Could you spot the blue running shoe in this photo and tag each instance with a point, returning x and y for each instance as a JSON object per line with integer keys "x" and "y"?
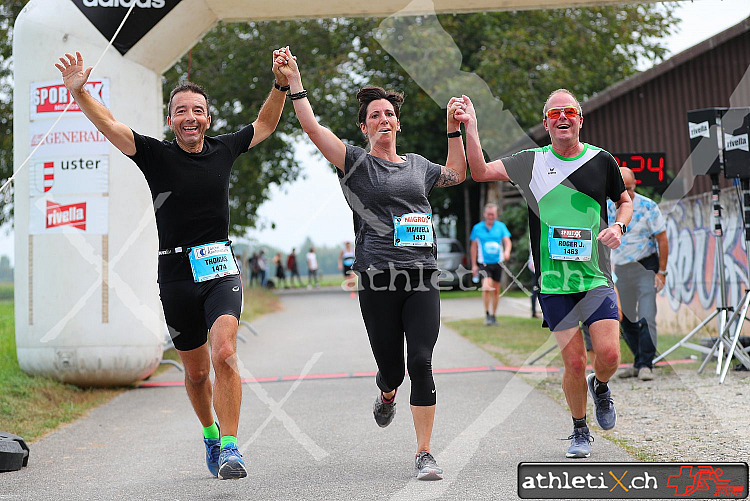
{"x": 231, "y": 464}
{"x": 213, "y": 450}
{"x": 580, "y": 442}
{"x": 605, "y": 414}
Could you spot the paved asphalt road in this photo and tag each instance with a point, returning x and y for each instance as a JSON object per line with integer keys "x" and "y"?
{"x": 311, "y": 439}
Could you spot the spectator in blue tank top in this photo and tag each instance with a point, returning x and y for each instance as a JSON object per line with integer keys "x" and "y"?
{"x": 490, "y": 246}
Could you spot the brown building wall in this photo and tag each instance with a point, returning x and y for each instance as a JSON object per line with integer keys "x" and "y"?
{"x": 652, "y": 117}
{"x": 648, "y": 112}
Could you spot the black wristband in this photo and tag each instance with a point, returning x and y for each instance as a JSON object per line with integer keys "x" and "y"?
{"x": 298, "y": 95}
{"x": 282, "y": 88}
{"x": 454, "y": 134}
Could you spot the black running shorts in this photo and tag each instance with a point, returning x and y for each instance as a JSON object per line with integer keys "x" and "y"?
{"x": 190, "y": 308}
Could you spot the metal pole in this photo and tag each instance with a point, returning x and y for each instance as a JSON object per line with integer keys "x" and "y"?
{"x": 721, "y": 309}
{"x": 741, "y": 355}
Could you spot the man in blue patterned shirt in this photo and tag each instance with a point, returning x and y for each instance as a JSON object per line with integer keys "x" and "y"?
{"x": 641, "y": 269}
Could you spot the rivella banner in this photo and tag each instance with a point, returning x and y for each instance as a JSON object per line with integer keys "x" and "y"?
{"x": 87, "y": 214}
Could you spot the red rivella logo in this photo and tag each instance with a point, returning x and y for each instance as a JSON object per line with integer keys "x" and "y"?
{"x": 66, "y": 215}
{"x": 702, "y": 478}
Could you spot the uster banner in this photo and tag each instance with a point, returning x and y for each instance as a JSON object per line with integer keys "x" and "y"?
{"x": 69, "y": 175}
{"x": 85, "y": 214}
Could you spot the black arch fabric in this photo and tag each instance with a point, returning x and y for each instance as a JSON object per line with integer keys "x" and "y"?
{"x": 106, "y": 16}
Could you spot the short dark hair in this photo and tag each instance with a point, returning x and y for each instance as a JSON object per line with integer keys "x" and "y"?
{"x": 371, "y": 93}
{"x": 187, "y": 87}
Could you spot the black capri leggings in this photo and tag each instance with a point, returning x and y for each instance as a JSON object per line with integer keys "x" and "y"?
{"x": 397, "y": 304}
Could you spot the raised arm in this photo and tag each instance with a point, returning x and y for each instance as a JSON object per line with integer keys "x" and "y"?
{"x": 326, "y": 141}
{"x": 75, "y": 78}
{"x": 480, "y": 170}
{"x": 270, "y": 113}
{"x": 454, "y": 171}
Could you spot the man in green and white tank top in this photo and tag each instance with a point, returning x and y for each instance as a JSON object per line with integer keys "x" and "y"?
{"x": 566, "y": 186}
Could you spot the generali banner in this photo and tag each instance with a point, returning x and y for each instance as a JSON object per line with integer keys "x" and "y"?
{"x": 87, "y": 214}
{"x": 71, "y": 136}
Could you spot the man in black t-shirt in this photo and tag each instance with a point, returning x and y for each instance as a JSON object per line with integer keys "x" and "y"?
{"x": 199, "y": 282}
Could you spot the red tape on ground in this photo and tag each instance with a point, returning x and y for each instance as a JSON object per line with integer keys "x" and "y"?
{"x": 348, "y": 375}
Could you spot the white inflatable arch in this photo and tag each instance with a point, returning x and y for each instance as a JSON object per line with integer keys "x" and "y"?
{"x": 86, "y": 301}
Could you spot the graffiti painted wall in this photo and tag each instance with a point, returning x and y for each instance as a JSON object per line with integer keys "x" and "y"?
{"x": 692, "y": 290}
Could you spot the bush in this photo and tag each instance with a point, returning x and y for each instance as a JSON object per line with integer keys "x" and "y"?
{"x": 6, "y": 291}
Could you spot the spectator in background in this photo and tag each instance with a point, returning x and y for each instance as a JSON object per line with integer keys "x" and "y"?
{"x": 262, "y": 268}
{"x": 490, "y": 246}
{"x": 280, "y": 274}
{"x": 534, "y": 285}
{"x": 346, "y": 261}
{"x": 252, "y": 264}
{"x": 641, "y": 270}
{"x": 312, "y": 268}
{"x": 291, "y": 265}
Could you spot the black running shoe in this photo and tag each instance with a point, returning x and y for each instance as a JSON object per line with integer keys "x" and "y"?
{"x": 426, "y": 468}
{"x": 384, "y": 411}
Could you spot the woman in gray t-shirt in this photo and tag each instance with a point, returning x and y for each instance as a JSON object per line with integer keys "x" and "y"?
{"x": 395, "y": 244}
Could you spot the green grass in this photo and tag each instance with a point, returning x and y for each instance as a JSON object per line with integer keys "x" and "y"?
{"x": 515, "y": 339}
{"x": 32, "y": 406}
{"x": 454, "y": 294}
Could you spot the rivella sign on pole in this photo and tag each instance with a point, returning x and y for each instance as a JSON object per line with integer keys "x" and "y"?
{"x": 736, "y": 128}
{"x": 706, "y": 140}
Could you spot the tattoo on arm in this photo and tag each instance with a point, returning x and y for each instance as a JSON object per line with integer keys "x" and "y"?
{"x": 447, "y": 177}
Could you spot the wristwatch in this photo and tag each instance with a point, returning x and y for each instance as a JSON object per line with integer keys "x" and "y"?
{"x": 662, "y": 272}
{"x": 622, "y": 226}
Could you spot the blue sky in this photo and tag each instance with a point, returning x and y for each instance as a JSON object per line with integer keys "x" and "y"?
{"x": 315, "y": 207}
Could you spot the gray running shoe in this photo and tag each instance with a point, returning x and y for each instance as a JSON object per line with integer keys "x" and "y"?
{"x": 580, "y": 442}
{"x": 493, "y": 320}
{"x": 426, "y": 468}
{"x": 384, "y": 412}
{"x": 488, "y": 319}
{"x": 645, "y": 374}
{"x": 604, "y": 406}
{"x": 627, "y": 372}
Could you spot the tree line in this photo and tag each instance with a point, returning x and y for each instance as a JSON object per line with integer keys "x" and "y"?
{"x": 521, "y": 55}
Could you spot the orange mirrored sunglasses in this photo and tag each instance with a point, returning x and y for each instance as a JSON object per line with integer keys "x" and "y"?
{"x": 570, "y": 112}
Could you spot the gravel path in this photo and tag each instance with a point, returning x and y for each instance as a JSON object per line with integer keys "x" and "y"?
{"x": 678, "y": 416}
{"x": 683, "y": 415}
